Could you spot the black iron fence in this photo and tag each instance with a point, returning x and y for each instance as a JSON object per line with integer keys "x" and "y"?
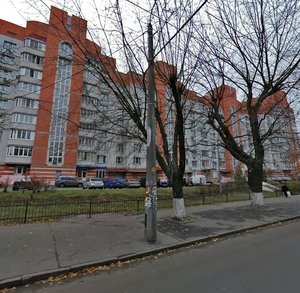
{"x": 12, "y": 212}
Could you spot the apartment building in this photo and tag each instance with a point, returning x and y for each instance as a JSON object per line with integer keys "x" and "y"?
{"x": 56, "y": 115}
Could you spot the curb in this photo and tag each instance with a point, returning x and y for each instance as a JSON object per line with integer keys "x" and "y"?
{"x": 35, "y": 277}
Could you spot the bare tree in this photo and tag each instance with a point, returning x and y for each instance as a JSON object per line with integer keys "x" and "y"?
{"x": 127, "y": 92}
{"x": 174, "y": 45}
{"x": 252, "y": 46}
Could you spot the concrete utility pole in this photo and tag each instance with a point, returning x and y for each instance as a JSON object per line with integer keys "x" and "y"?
{"x": 151, "y": 188}
{"x": 219, "y": 167}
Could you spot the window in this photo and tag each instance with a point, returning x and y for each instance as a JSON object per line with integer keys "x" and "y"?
{"x": 214, "y": 165}
{"x": 232, "y": 109}
{"x": 100, "y": 173}
{"x": 104, "y": 98}
{"x": 137, "y": 160}
{"x": 137, "y": 147}
{"x": 85, "y": 156}
{"x": 87, "y": 126}
{"x": 7, "y": 59}
{"x": 19, "y": 151}
{"x": 205, "y": 153}
{"x": 66, "y": 51}
{"x": 5, "y": 89}
{"x": 101, "y": 159}
{"x": 119, "y": 160}
{"x": 3, "y": 104}
{"x": 20, "y": 169}
{"x": 22, "y": 134}
{"x": 194, "y": 164}
{"x": 206, "y": 164}
{"x": 102, "y": 146}
{"x": 88, "y": 114}
{"x": 82, "y": 173}
{"x": 32, "y": 58}
{"x": 10, "y": 46}
{"x": 6, "y": 74}
{"x": 31, "y": 72}
{"x": 90, "y": 101}
{"x": 90, "y": 75}
{"x": 102, "y": 134}
{"x": 24, "y": 118}
{"x": 60, "y": 107}
{"x": 27, "y": 103}
{"x": 29, "y": 87}
{"x": 120, "y": 147}
{"x": 34, "y": 44}
{"x": 86, "y": 141}
{"x": 69, "y": 23}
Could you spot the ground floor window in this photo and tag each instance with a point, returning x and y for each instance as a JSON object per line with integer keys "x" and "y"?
{"x": 20, "y": 169}
{"x": 82, "y": 173}
{"x": 100, "y": 173}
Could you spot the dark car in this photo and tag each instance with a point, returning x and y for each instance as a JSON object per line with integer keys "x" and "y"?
{"x": 163, "y": 182}
{"x": 143, "y": 182}
{"x": 22, "y": 183}
{"x": 115, "y": 183}
{"x": 67, "y": 181}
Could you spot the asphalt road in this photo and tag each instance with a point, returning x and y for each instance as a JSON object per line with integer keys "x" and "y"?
{"x": 264, "y": 261}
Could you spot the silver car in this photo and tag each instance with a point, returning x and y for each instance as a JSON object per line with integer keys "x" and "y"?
{"x": 91, "y": 183}
{"x": 132, "y": 183}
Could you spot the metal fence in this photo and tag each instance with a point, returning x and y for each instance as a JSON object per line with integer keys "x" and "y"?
{"x": 29, "y": 211}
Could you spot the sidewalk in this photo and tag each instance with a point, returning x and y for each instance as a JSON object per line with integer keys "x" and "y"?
{"x": 33, "y": 252}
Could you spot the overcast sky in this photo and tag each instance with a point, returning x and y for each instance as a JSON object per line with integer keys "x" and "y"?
{"x": 19, "y": 11}
{"x": 8, "y": 12}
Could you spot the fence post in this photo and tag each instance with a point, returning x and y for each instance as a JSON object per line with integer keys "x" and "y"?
{"x": 203, "y": 199}
{"x": 138, "y": 205}
{"x": 26, "y": 211}
{"x": 90, "y": 210}
{"x": 226, "y": 197}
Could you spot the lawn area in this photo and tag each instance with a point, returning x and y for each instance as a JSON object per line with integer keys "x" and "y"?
{"x": 25, "y": 207}
{"x": 124, "y": 193}
{"x": 78, "y": 194}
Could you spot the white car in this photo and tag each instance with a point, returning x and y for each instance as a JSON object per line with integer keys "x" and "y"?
{"x": 93, "y": 183}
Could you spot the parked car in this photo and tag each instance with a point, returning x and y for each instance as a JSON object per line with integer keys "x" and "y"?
{"x": 90, "y": 183}
{"x": 163, "y": 182}
{"x": 281, "y": 178}
{"x": 226, "y": 180}
{"x": 22, "y": 183}
{"x": 68, "y": 181}
{"x": 143, "y": 182}
{"x": 115, "y": 183}
{"x": 132, "y": 183}
{"x": 198, "y": 180}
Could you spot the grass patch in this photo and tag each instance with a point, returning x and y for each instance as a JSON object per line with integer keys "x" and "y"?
{"x": 19, "y": 207}
{"x": 76, "y": 194}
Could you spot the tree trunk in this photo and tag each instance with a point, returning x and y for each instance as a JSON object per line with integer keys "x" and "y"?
{"x": 178, "y": 200}
{"x": 255, "y": 179}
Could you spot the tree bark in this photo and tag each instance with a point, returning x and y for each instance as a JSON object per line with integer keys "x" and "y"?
{"x": 178, "y": 200}
{"x": 255, "y": 179}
